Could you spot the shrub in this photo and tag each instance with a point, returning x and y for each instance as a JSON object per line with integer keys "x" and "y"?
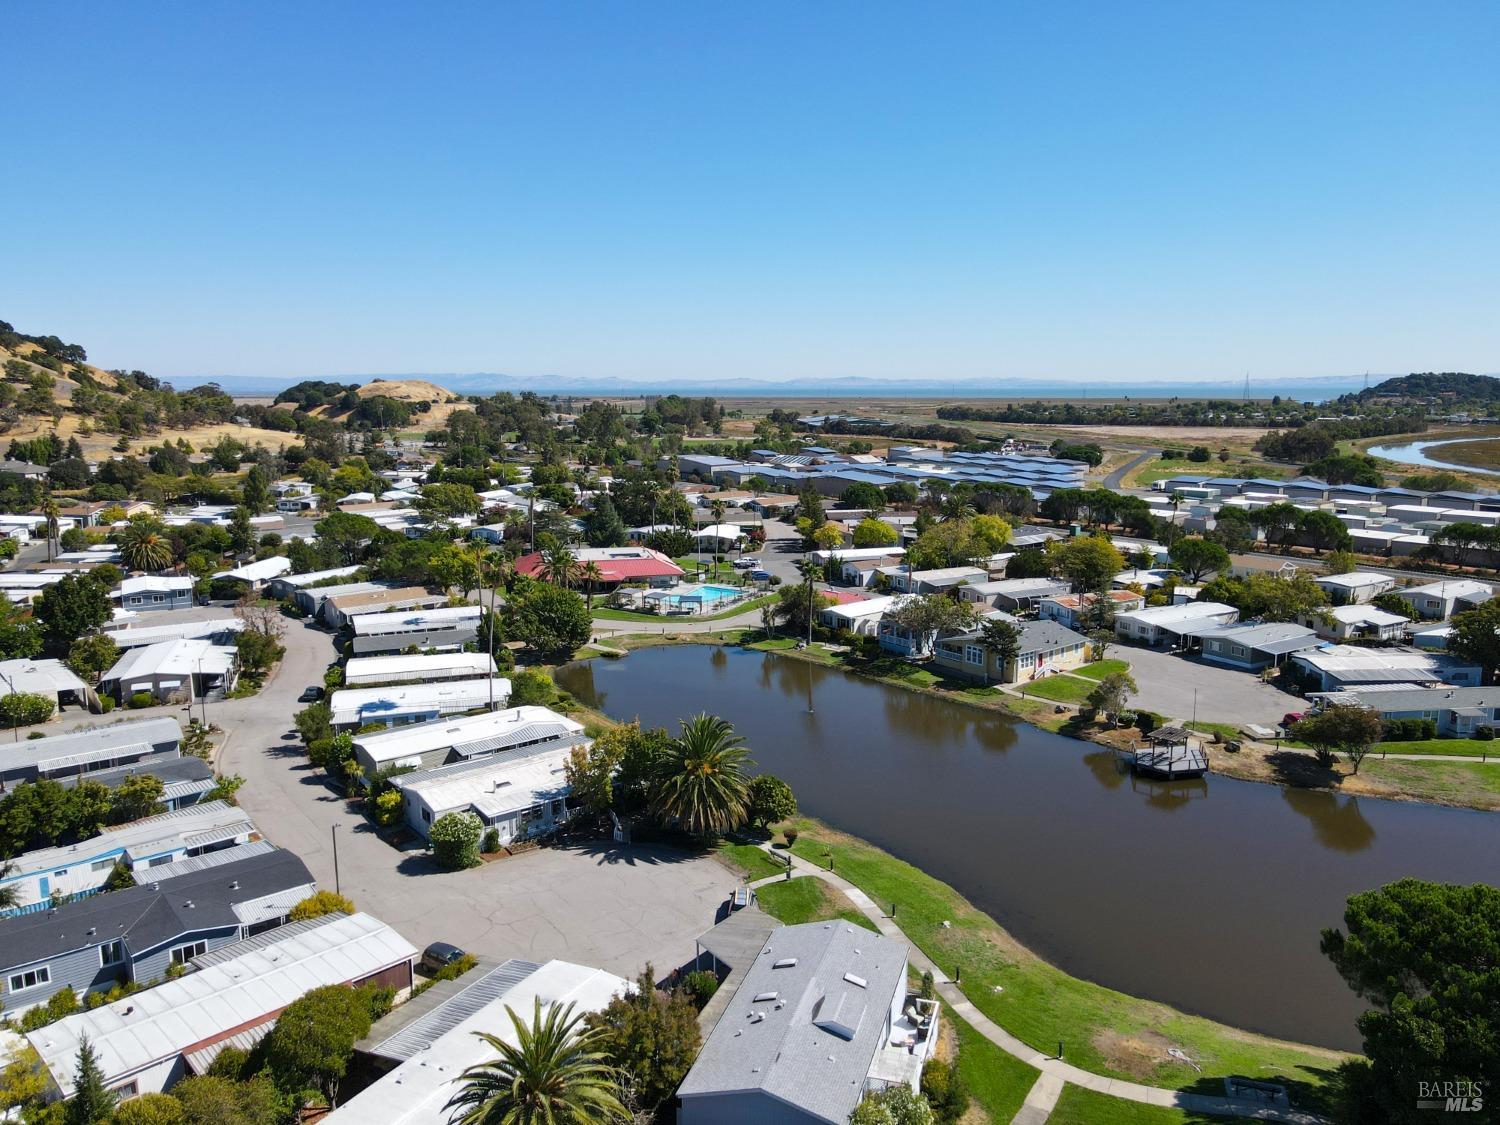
{"x": 106, "y": 704}
{"x": 1408, "y": 730}
{"x": 791, "y": 836}
{"x": 1484, "y": 733}
{"x": 152, "y": 1109}
{"x": 455, "y": 840}
{"x": 317, "y": 905}
{"x": 229, "y": 1062}
{"x": 141, "y": 699}
{"x": 1146, "y": 721}
{"x": 387, "y": 810}
{"x": 700, "y": 987}
{"x": 531, "y": 686}
{"x": 23, "y": 708}
{"x": 944, "y": 1091}
{"x": 491, "y": 842}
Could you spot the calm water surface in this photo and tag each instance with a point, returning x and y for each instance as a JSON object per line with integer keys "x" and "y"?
{"x": 1428, "y": 454}
{"x": 1207, "y": 895}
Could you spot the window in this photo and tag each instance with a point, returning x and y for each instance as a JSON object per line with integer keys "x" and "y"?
{"x": 31, "y": 978}
{"x": 112, "y": 953}
{"x": 103, "y": 864}
{"x": 185, "y": 953}
{"x": 158, "y": 598}
{"x": 973, "y": 654}
{"x": 427, "y": 815}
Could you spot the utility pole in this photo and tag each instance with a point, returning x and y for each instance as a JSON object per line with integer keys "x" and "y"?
{"x": 16, "y": 728}
{"x": 337, "y": 888}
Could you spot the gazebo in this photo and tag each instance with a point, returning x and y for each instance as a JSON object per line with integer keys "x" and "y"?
{"x": 1171, "y": 754}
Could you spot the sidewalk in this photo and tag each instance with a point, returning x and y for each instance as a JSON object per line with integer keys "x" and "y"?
{"x": 1055, "y": 1072}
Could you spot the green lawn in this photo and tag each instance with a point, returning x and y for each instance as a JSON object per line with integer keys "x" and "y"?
{"x": 750, "y": 860}
{"x": 1466, "y": 747}
{"x": 1101, "y": 668}
{"x": 808, "y": 899}
{"x": 1225, "y": 730}
{"x": 1061, "y": 689}
{"x": 1103, "y": 1030}
{"x": 1078, "y": 1106}
{"x": 1473, "y": 784}
{"x": 998, "y": 1082}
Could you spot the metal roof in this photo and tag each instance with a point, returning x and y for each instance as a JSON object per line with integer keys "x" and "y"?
{"x": 472, "y": 734}
{"x": 230, "y": 993}
{"x": 195, "y": 863}
{"x": 90, "y": 745}
{"x": 424, "y": 1032}
{"x": 365, "y": 670}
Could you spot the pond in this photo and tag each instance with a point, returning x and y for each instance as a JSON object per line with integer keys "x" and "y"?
{"x": 1207, "y": 895}
{"x": 1416, "y": 453}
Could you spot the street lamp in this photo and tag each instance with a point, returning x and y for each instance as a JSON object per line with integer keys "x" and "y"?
{"x": 15, "y": 728}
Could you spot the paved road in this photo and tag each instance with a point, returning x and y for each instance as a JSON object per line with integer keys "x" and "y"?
{"x": 1115, "y": 478}
{"x": 1166, "y": 684}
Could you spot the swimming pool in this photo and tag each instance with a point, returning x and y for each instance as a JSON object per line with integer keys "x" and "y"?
{"x": 712, "y": 594}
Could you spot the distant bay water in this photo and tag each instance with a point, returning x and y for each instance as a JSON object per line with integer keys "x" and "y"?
{"x": 1314, "y": 390}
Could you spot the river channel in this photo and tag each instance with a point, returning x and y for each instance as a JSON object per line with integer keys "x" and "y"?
{"x": 1429, "y": 454}
{"x": 1207, "y": 895}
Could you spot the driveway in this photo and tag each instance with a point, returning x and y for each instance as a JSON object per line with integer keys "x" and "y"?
{"x": 1166, "y": 685}
{"x": 614, "y": 908}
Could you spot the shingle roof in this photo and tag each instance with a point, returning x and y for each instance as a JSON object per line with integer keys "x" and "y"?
{"x": 150, "y": 914}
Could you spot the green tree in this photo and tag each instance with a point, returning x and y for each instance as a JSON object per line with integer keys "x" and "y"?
{"x": 70, "y": 608}
{"x": 255, "y": 495}
{"x": 92, "y": 1102}
{"x": 1425, "y": 956}
{"x": 1003, "y": 640}
{"x": 1197, "y": 558}
{"x": 590, "y": 772}
{"x": 439, "y": 501}
{"x": 532, "y": 687}
{"x": 313, "y": 1040}
{"x": 93, "y": 655}
{"x": 23, "y": 1079}
{"x": 455, "y": 839}
{"x": 1476, "y": 637}
{"x": 703, "y": 788}
{"x": 1340, "y": 562}
{"x": 554, "y": 1074}
{"x": 828, "y": 537}
{"x": 549, "y": 620}
{"x": 871, "y": 532}
{"x": 1344, "y": 728}
{"x": 1111, "y": 693}
{"x": 771, "y": 800}
{"x": 214, "y": 1099}
{"x": 152, "y": 1109}
{"x": 136, "y": 798}
{"x": 1088, "y": 561}
{"x": 649, "y": 1036}
{"x": 20, "y": 637}
{"x": 145, "y": 545}
{"x": 1033, "y": 562}
{"x": 899, "y": 1105}
{"x": 1324, "y": 531}
{"x": 347, "y": 534}
{"x": 863, "y": 495}
{"x": 604, "y": 527}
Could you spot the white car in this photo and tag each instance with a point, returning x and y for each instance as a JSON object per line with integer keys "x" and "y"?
{"x": 746, "y": 564}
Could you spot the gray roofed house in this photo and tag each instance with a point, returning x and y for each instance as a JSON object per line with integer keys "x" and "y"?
{"x": 92, "y": 749}
{"x": 1046, "y": 646}
{"x": 1456, "y": 711}
{"x": 1253, "y": 646}
{"x": 821, "y": 1017}
{"x": 134, "y": 934}
{"x": 184, "y": 779}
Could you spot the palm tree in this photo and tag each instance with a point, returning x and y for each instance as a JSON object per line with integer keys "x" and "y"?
{"x": 10, "y": 893}
{"x": 718, "y": 509}
{"x": 51, "y": 511}
{"x": 553, "y": 1075}
{"x": 559, "y": 566}
{"x": 590, "y": 574}
{"x": 703, "y": 786}
{"x": 144, "y": 545}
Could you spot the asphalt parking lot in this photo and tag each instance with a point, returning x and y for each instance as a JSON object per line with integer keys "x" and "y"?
{"x": 1166, "y": 685}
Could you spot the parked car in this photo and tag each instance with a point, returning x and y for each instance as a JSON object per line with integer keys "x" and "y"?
{"x": 1291, "y": 718}
{"x": 310, "y": 695}
{"x": 760, "y": 575}
{"x": 746, "y": 564}
{"x": 439, "y": 955}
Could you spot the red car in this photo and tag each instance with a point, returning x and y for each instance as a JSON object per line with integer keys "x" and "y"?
{"x": 1291, "y": 718}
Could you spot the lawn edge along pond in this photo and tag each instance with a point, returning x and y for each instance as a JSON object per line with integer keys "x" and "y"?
{"x": 1105, "y": 1031}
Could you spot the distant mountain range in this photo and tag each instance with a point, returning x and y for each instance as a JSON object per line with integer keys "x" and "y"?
{"x": 485, "y": 383}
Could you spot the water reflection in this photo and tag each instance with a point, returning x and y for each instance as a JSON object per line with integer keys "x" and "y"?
{"x": 1090, "y": 873}
{"x": 1337, "y": 822}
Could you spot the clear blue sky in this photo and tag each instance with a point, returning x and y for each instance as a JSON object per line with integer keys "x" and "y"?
{"x": 783, "y": 190}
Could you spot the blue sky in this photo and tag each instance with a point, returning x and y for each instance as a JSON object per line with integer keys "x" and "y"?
{"x": 657, "y": 191}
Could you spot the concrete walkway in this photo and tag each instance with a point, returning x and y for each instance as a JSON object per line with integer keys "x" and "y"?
{"x": 1055, "y": 1073}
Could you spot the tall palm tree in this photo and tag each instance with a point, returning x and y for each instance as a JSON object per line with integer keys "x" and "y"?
{"x": 144, "y": 545}
{"x": 51, "y": 511}
{"x": 703, "y": 786}
{"x": 10, "y": 893}
{"x": 553, "y": 1075}
{"x": 559, "y": 566}
{"x": 590, "y": 574}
